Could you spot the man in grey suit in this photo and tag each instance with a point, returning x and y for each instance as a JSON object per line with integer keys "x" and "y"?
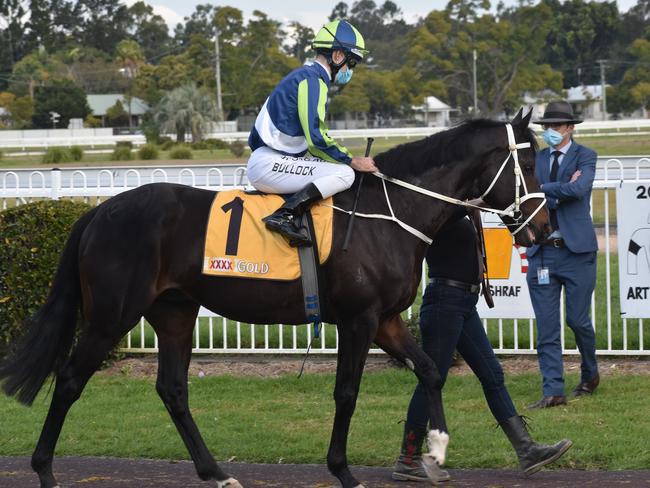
{"x": 567, "y": 258}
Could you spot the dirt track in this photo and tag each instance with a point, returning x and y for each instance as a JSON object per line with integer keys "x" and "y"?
{"x": 91, "y": 472}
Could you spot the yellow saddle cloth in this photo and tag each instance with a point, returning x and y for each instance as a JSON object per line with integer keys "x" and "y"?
{"x": 238, "y": 244}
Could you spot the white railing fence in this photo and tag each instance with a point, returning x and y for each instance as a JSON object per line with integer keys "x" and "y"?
{"x": 218, "y": 335}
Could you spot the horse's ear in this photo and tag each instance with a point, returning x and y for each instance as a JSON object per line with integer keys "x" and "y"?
{"x": 517, "y": 119}
{"x": 526, "y": 119}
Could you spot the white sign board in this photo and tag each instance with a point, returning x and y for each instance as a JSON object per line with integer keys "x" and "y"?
{"x": 633, "y": 222}
{"x": 507, "y": 267}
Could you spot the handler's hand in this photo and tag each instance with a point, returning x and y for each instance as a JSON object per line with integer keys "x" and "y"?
{"x": 575, "y": 176}
{"x": 363, "y": 164}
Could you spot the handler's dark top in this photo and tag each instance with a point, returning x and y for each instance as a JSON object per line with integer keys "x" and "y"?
{"x": 453, "y": 253}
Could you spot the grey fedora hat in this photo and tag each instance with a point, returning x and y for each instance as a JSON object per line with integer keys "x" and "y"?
{"x": 557, "y": 112}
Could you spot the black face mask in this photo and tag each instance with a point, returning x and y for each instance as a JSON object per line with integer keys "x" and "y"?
{"x": 335, "y": 68}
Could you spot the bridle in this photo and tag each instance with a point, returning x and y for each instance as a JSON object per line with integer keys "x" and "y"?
{"x": 513, "y": 211}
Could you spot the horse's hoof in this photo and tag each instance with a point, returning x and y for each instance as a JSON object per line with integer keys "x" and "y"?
{"x": 359, "y": 486}
{"x": 434, "y": 471}
{"x": 229, "y": 483}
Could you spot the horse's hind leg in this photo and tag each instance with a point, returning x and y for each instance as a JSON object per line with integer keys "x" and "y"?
{"x": 173, "y": 322}
{"x": 394, "y": 337}
{"x": 86, "y": 358}
{"x": 354, "y": 342}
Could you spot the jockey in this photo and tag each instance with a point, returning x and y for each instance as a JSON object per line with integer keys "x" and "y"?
{"x": 292, "y": 152}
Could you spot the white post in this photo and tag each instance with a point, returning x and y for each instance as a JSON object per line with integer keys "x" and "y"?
{"x": 55, "y": 177}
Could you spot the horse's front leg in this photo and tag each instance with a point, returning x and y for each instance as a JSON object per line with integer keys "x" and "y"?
{"x": 394, "y": 337}
{"x": 355, "y": 337}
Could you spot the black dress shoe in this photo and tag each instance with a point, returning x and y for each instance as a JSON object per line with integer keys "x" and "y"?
{"x": 586, "y": 388}
{"x": 548, "y": 402}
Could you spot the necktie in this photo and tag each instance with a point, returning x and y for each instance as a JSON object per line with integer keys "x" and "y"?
{"x": 475, "y": 217}
{"x": 553, "y": 177}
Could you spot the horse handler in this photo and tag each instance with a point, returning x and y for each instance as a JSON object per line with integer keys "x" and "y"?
{"x": 449, "y": 321}
{"x": 292, "y": 151}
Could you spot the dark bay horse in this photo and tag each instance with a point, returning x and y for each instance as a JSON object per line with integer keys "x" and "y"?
{"x": 140, "y": 254}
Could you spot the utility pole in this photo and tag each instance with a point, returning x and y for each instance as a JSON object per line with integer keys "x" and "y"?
{"x": 603, "y": 90}
{"x": 217, "y": 74}
{"x": 474, "y": 69}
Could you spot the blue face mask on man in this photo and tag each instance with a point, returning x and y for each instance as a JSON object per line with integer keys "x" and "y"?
{"x": 552, "y": 137}
{"x": 343, "y": 77}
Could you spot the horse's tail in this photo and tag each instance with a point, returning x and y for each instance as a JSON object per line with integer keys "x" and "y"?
{"x": 45, "y": 344}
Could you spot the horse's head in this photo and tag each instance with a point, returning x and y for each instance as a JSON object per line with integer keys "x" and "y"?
{"x": 509, "y": 184}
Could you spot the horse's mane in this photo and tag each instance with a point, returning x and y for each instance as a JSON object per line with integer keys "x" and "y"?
{"x": 437, "y": 150}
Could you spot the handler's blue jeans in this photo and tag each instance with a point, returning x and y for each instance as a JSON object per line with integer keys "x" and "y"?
{"x": 449, "y": 321}
{"x": 577, "y": 273}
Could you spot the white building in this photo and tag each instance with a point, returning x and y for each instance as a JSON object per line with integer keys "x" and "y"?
{"x": 433, "y": 112}
{"x": 586, "y": 101}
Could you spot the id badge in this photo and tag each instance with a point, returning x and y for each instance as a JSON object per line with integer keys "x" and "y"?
{"x": 543, "y": 276}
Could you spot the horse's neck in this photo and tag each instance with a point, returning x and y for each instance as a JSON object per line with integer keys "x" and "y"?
{"x": 423, "y": 212}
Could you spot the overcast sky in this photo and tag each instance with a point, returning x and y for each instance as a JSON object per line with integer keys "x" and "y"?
{"x": 313, "y": 13}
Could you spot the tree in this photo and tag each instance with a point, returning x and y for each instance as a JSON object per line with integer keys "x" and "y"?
{"x": 21, "y": 111}
{"x": 187, "y": 108}
{"x": 31, "y": 71}
{"x": 148, "y": 30}
{"x": 441, "y": 51}
{"x": 104, "y": 25}
{"x": 12, "y": 39}
{"x": 51, "y": 23}
{"x": 384, "y": 30}
{"x": 63, "y": 97}
{"x": 18, "y": 111}
{"x": 620, "y": 100}
{"x": 301, "y": 37}
{"x": 641, "y": 94}
{"x": 580, "y": 34}
{"x": 130, "y": 57}
{"x": 116, "y": 116}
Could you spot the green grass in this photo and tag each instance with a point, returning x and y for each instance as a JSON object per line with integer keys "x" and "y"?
{"x": 265, "y": 420}
{"x": 203, "y": 156}
{"x": 618, "y": 146}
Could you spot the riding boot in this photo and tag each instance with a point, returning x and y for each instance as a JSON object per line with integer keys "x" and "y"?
{"x": 286, "y": 219}
{"x": 409, "y": 465}
{"x": 532, "y": 456}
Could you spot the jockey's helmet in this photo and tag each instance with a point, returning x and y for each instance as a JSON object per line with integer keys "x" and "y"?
{"x": 340, "y": 35}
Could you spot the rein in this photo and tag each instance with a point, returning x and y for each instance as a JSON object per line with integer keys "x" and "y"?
{"x": 513, "y": 211}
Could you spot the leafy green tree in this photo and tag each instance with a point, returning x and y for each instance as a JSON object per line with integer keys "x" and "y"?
{"x": 187, "y": 108}
{"x": 641, "y": 94}
{"x": 301, "y": 38}
{"x": 20, "y": 112}
{"x": 581, "y": 33}
{"x": 12, "y": 39}
{"x": 51, "y": 23}
{"x": 130, "y": 57}
{"x": 200, "y": 22}
{"x": 620, "y": 100}
{"x": 383, "y": 28}
{"x": 116, "y": 116}
{"x": 509, "y": 55}
{"x": 31, "y": 71}
{"x": 148, "y": 30}
{"x": 104, "y": 23}
{"x": 63, "y": 97}
{"x": 93, "y": 70}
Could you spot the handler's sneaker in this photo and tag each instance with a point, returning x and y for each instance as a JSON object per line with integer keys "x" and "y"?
{"x": 414, "y": 471}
